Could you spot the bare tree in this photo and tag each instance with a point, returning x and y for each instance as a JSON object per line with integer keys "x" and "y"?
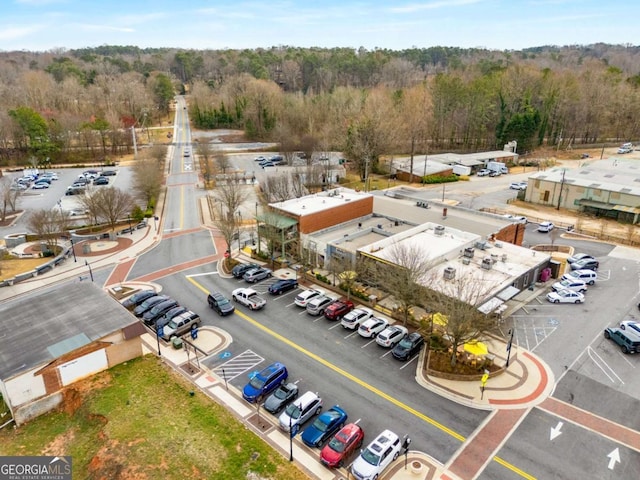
{"x": 205, "y": 152}
{"x": 8, "y": 197}
{"x": 222, "y": 162}
{"x": 91, "y": 204}
{"x": 277, "y": 188}
{"x": 231, "y": 195}
{"x": 402, "y": 274}
{"x": 458, "y": 299}
{"x": 115, "y": 204}
{"x": 48, "y": 225}
{"x": 147, "y": 180}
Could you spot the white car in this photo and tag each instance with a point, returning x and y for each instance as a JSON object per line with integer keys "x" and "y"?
{"x": 545, "y": 227}
{"x": 354, "y": 318}
{"x": 518, "y": 186}
{"x": 575, "y": 285}
{"x": 587, "y": 276}
{"x": 372, "y": 327}
{"x": 483, "y": 173}
{"x": 377, "y": 456}
{"x": 565, "y": 296}
{"x": 391, "y": 335}
{"x": 303, "y": 298}
{"x": 516, "y": 218}
{"x": 631, "y": 325}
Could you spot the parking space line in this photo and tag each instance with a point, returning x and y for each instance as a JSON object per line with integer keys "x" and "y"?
{"x": 592, "y": 353}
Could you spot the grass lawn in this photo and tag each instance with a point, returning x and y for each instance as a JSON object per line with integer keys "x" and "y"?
{"x": 139, "y": 421}
{"x": 11, "y": 267}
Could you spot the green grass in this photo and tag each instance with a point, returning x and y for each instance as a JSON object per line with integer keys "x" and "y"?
{"x": 138, "y": 420}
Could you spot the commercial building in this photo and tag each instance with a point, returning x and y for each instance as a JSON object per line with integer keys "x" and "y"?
{"x": 608, "y": 188}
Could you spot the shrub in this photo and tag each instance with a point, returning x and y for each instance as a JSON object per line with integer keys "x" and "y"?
{"x": 431, "y": 179}
{"x": 322, "y": 278}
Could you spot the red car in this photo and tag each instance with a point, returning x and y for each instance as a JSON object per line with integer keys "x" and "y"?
{"x": 336, "y": 453}
{"x": 338, "y": 309}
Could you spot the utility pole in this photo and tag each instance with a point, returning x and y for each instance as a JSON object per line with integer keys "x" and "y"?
{"x": 561, "y": 187}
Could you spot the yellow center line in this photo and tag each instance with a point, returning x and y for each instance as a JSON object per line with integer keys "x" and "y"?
{"x": 365, "y": 385}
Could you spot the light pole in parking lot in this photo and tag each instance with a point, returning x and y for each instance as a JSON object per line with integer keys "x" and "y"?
{"x": 90, "y": 271}
{"x": 239, "y": 223}
{"x": 73, "y": 250}
{"x": 509, "y": 346}
{"x": 130, "y": 229}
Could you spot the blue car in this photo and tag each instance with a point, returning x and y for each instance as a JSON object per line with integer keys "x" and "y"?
{"x": 324, "y": 426}
{"x": 265, "y": 382}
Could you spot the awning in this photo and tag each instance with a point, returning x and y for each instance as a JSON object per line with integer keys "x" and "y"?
{"x": 508, "y": 293}
{"x": 624, "y": 208}
{"x": 490, "y": 306}
{"x": 592, "y": 203}
{"x": 478, "y": 349}
{"x": 439, "y": 319}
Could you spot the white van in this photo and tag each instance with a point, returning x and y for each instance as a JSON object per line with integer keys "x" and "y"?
{"x": 587, "y": 276}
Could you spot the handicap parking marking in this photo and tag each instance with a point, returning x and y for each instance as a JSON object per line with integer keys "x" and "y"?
{"x": 238, "y": 365}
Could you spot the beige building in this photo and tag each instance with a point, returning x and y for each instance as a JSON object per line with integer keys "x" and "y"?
{"x": 608, "y": 188}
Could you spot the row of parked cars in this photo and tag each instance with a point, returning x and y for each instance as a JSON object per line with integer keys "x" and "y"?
{"x": 329, "y": 430}
{"x": 162, "y": 313}
{"x": 95, "y": 177}
{"x": 35, "y": 181}
{"x": 571, "y": 288}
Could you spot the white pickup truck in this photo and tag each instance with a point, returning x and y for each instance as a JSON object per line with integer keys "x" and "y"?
{"x": 249, "y": 298}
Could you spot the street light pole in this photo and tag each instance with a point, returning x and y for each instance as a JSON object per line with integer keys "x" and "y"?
{"x": 130, "y": 229}
{"x": 73, "y": 250}
{"x": 239, "y": 222}
{"x": 290, "y": 440}
{"x": 90, "y": 271}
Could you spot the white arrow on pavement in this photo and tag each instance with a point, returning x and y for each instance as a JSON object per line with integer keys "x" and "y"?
{"x": 555, "y": 431}
{"x": 614, "y": 457}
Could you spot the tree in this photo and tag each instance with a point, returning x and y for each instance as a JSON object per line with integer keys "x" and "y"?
{"x": 230, "y": 195}
{"x": 48, "y": 225}
{"x": 222, "y": 162}
{"x": 8, "y": 197}
{"x": 458, "y": 299}
{"x": 114, "y": 205}
{"x": 205, "y": 151}
{"x": 147, "y": 180}
{"x": 163, "y": 92}
{"x": 33, "y": 132}
{"x": 403, "y": 274}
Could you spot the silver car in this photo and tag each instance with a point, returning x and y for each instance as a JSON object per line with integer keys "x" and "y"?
{"x": 391, "y": 335}
{"x": 300, "y": 410}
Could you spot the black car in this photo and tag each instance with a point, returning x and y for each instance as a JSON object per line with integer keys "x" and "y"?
{"x": 137, "y": 298}
{"x": 279, "y": 399}
{"x": 108, "y": 173}
{"x": 408, "y": 346}
{"x": 101, "y": 181}
{"x": 220, "y": 304}
{"x": 148, "y": 304}
{"x": 150, "y": 316}
{"x": 170, "y": 315}
{"x": 239, "y": 270}
{"x": 281, "y": 286}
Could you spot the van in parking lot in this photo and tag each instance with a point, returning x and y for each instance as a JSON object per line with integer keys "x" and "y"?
{"x": 587, "y": 276}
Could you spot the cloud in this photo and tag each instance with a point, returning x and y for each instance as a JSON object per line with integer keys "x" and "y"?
{"x": 12, "y": 33}
{"x": 88, "y": 27}
{"x": 419, "y": 7}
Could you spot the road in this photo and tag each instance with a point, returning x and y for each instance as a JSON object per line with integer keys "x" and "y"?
{"x": 593, "y": 378}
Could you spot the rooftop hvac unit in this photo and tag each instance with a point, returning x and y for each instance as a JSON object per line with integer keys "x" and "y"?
{"x": 466, "y": 260}
{"x": 504, "y": 257}
{"x": 481, "y": 245}
{"x": 449, "y": 273}
{"x": 494, "y": 257}
{"x": 498, "y": 244}
{"x": 487, "y": 263}
{"x": 439, "y": 230}
{"x": 468, "y": 252}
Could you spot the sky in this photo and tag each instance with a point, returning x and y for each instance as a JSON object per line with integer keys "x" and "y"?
{"x": 43, "y": 25}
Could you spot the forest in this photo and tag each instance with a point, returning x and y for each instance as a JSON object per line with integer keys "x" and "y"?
{"x": 73, "y": 105}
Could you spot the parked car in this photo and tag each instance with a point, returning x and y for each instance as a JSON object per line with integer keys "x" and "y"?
{"x": 336, "y": 453}
{"x": 304, "y": 297}
{"x": 18, "y": 187}
{"x": 495, "y": 173}
{"x": 265, "y": 382}
{"x": 239, "y": 270}
{"x": 585, "y": 264}
{"x": 39, "y": 186}
{"x": 377, "y": 456}
{"x": 51, "y": 175}
{"x": 150, "y": 316}
{"x": 579, "y": 256}
{"x": 170, "y": 315}
{"x": 338, "y": 309}
{"x": 260, "y": 158}
{"x": 518, "y": 185}
{"x": 632, "y": 325}
{"x": 324, "y": 426}
{"x": 148, "y": 304}
{"x": 180, "y": 325}
{"x": 101, "y": 181}
{"x": 587, "y": 276}
{"x": 256, "y": 274}
{"x": 408, "y": 346}
{"x": 573, "y": 285}
{"x": 108, "y": 173}
{"x": 220, "y": 304}
{"x": 565, "y": 296}
{"x": 545, "y": 227}
{"x": 483, "y": 173}
{"x": 391, "y": 335}
{"x": 300, "y": 410}
{"x": 629, "y": 342}
{"x": 516, "y": 218}
{"x": 354, "y": 318}
{"x": 372, "y": 327}
{"x": 281, "y": 396}
{"x": 74, "y": 191}
{"x": 137, "y": 298}
{"x": 316, "y": 306}
{"x": 283, "y": 285}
